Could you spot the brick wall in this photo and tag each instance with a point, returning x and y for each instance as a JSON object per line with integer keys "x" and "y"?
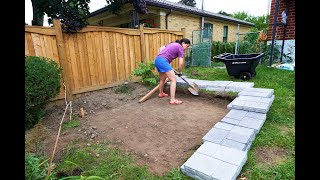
{"x": 176, "y": 21}
{"x": 191, "y": 23}
{"x": 290, "y": 29}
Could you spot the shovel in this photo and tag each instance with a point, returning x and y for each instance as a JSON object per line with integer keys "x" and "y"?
{"x": 194, "y": 88}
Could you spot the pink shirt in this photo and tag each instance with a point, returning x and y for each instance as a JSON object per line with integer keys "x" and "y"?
{"x": 172, "y": 51}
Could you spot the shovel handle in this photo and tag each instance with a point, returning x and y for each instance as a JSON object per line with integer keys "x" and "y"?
{"x": 183, "y": 78}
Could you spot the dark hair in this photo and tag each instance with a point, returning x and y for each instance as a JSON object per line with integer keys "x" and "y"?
{"x": 185, "y": 40}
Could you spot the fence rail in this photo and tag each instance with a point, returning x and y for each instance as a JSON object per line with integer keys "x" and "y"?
{"x": 96, "y": 57}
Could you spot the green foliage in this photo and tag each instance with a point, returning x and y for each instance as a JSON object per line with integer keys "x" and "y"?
{"x": 191, "y": 3}
{"x": 260, "y": 22}
{"x": 42, "y": 82}
{"x": 34, "y": 140}
{"x": 123, "y": 89}
{"x": 35, "y": 168}
{"x": 176, "y": 174}
{"x": 224, "y": 13}
{"x": 242, "y": 16}
{"x": 265, "y": 59}
{"x": 74, "y": 122}
{"x": 145, "y": 71}
{"x": 73, "y": 14}
{"x": 222, "y": 47}
{"x": 110, "y": 164}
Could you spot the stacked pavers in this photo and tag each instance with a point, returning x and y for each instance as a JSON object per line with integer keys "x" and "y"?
{"x": 218, "y": 86}
{"x": 224, "y": 149}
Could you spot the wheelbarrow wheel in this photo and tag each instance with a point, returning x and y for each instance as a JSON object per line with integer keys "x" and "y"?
{"x": 245, "y": 76}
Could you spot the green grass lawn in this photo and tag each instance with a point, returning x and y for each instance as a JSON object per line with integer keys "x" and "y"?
{"x": 271, "y": 156}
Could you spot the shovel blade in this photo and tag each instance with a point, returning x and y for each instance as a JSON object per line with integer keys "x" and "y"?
{"x": 195, "y": 87}
{"x": 193, "y": 91}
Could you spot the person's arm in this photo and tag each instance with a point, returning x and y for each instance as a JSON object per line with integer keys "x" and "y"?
{"x": 180, "y": 56}
{"x": 180, "y": 64}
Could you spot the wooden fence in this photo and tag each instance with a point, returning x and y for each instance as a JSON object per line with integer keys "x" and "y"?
{"x": 96, "y": 57}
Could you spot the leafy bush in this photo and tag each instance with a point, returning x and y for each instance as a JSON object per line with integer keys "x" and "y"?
{"x": 145, "y": 71}
{"x": 35, "y": 168}
{"x": 265, "y": 59}
{"x": 221, "y": 47}
{"x": 42, "y": 82}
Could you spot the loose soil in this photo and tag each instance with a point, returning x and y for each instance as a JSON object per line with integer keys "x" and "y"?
{"x": 271, "y": 155}
{"x": 157, "y": 134}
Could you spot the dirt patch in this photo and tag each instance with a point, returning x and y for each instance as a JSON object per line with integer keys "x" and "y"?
{"x": 285, "y": 130}
{"x": 157, "y": 134}
{"x": 271, "y": 155}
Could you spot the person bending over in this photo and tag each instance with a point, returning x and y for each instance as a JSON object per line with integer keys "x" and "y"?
{"x": 162, "y": 62}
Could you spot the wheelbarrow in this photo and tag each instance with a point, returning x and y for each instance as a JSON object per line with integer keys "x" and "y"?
{"x": 241, "y": 66}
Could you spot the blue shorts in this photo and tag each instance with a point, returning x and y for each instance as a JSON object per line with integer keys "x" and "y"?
{"x": 162, "y": 64}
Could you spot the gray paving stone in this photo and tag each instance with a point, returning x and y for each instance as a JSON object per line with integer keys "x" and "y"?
{"x": 224, "y": 126}
{"x": 226, "y": 171}
{"x": 250, "y": 98}
{"x": 226, "y": 154}
{"x": 255, "y": 115}
{"x": 230, "y": 120}
{"x": 223, "y": 153}
{"x": 253, "y": 104}
{"x": 260, "y": 92}
{"x": 208, "y": 148}
{"x": 190, "y": 174}
{"x": 215, "y": 135}
{"x": 201, "y": 165}
{"x": 237, "y": 137}
{"x": 238, "y": 104}
{"x": 240, "y": 134}
{"x": 216, "y": 89}
{"x": 236, "y": 114}
{"x": 238, "y": 86}
{"x": 252, "y": 123}
{"x": 233, "y": 144}
{"x": 247, "y": 148}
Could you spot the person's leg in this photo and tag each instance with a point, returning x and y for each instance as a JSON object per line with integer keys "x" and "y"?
{"x": 173, "y": 82}
{"x": 163, "y": 77}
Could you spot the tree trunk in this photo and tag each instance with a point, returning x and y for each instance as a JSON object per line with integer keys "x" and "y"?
{"x": 37, "y": 15}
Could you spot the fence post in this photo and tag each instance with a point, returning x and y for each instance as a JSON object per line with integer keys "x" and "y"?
{"x": 62, "y": 57}
{"x": 142, "y": 44}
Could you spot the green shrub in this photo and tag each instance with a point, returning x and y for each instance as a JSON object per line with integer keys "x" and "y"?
{"x": 145, "y": 71}
{"x": 265, "y": 59}
{"x": 36, "y": 168}
{"x": 42, "y": 82}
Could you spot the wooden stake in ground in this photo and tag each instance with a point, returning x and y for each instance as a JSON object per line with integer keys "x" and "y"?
{"x": 82, "y": 112}
{"x": 144, "y": 98}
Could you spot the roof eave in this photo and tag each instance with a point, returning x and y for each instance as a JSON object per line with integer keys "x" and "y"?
{"x": 158, "y": 4}
{"x": 167, "y": 6}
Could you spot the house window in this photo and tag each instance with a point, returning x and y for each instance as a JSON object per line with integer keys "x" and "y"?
{"x": 100, "y": 23}
{"x": 207, "y": 30}
{"x": 225, "y": 34}
{"x": 148, "y": 23}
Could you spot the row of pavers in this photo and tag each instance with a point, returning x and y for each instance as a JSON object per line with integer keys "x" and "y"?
{"x": 224, "y": 150}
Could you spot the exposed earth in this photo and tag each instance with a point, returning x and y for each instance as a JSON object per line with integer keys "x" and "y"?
{"x": 155, "y": 133}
